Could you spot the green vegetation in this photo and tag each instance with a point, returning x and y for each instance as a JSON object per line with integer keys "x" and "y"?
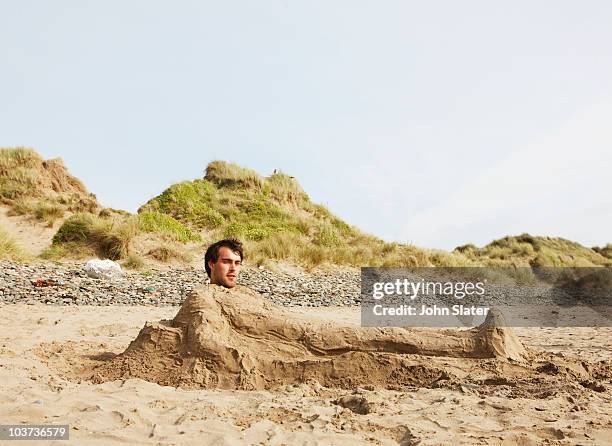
{"x": 59, "y": 252}
{"x": 9, "y": 248}
{"x": 363, "y": 251}
{"x": 276, "y": 220}
{"x": 187, "y": 202}
{"x": 285, "y": 189}
{"x": 272, "y": 215}
{"x": 110, "y": 212}
{"x": 82, "y": 234}
{"x": 527, "y": 250}
{"x": 164, "y": 224}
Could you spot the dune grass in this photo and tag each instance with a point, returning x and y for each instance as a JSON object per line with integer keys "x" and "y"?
{"x": 272, "y": 215}
{"x": 18, "y": 176}
{"x": 88, "y": 233}
{"x": 165, "y": 224}
{"x": 112, "y": 236}
{"x": 366, "y": 252}
{"x": 605, "y": 251}
{"x": 45, "y": 210}
{"x": 43, "y": 190}
{"x": 526, "y": 250}
{"x": 230, "y": 175}
{"x": 110, "y": 212}
{"x": 275, "y": 218}
{"x": 166, "y": 252}
{"x": 10, "y": 249}
{"x": 134, "y": 261}
{"x": 284, "y": 189}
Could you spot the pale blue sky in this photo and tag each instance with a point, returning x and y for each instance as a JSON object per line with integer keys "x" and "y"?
{"x": 435, "y": 123}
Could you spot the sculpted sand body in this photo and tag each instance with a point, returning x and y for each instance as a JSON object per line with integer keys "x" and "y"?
{"x": 236, "y": 339}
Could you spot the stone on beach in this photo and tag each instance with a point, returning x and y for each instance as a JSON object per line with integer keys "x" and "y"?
{"x": 103, "y": 269}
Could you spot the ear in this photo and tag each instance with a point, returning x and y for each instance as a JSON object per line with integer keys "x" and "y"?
{"x": 211, "y": 264}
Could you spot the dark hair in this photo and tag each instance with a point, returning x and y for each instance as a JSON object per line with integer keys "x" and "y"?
{"x": 212, "y": 253}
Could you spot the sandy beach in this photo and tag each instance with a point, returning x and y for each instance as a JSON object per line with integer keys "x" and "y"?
{"x": 305, "y": 223}
{"x": 47, "y": 354}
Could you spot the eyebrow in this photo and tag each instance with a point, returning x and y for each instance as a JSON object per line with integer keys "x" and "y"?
{"x": 227, "y": 258}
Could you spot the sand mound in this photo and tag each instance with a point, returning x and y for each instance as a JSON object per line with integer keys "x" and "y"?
{"x": 25, "y": 175}
{"x": 235, "y": 339}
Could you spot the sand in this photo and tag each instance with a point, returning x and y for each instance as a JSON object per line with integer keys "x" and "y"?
{"x": 48, "y": 356}
{"x": 31, "y": 235}
{"x": 236, "y": 339}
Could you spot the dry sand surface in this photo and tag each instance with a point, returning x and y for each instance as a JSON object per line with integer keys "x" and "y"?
{"x": 31, "y": 235}
{"x": 49, "y": 354}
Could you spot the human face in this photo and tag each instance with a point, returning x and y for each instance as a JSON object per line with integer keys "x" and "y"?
{"x": 225, "y": 270}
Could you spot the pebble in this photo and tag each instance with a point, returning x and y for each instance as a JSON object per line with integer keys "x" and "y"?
{"x": 359, "y": 405}
{"x": 68, "y": 284}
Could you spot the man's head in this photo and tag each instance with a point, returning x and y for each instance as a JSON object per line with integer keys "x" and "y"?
{"x": 223, "y": 261}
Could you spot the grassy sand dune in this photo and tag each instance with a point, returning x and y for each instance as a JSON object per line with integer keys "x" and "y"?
{"x": 273, "y": 215}
{"x": 42, "y": 189}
